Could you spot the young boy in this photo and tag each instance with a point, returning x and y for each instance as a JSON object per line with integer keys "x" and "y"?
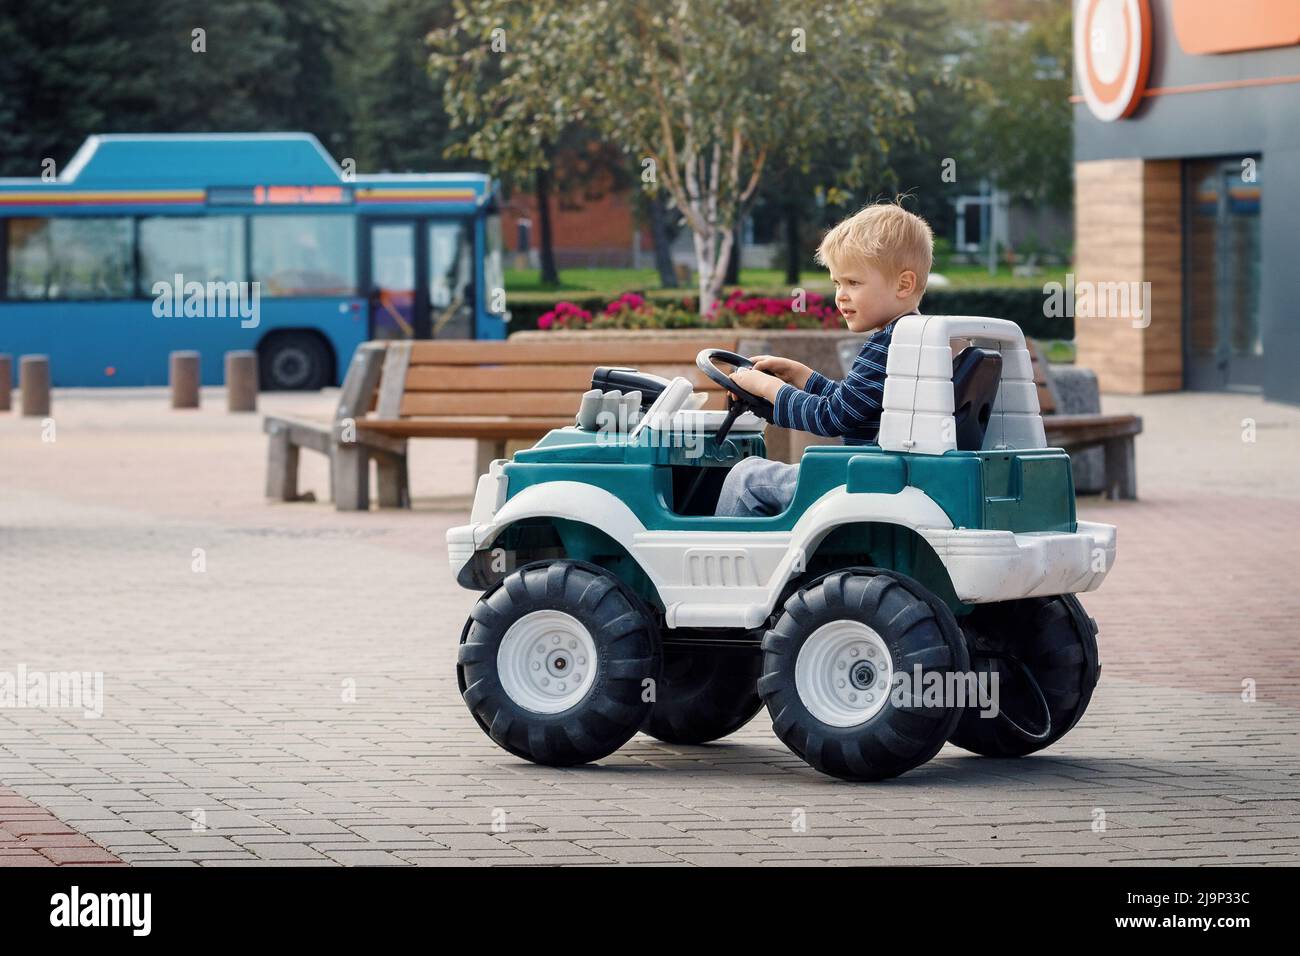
{"x": 879, "y": 260}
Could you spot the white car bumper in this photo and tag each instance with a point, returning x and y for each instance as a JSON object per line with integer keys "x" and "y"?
{"x": 489, "y": 495}
{"x": 460, "y": 547}
{"x": 987, "y": 566}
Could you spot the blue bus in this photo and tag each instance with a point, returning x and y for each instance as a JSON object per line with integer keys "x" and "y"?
{"x": 146, "y": 244}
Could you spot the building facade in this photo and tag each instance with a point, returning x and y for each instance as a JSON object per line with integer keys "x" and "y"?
{"x": 1187, "y": 194}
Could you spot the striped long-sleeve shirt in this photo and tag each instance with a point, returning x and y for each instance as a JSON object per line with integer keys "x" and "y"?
{"x": 850, "y": 408}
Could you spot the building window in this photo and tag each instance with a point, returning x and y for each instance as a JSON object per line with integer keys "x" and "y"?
{"x": 305, "y": 255}
{"x": 198, "y": 248}
{"x": 70, "y": 258}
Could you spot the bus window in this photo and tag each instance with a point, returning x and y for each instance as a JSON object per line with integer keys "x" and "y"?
{"x": 305, "y": 255}
{"x": 199, "y": 248}
{"x": 451, "y": 279}
{"x": 70, "y": 258}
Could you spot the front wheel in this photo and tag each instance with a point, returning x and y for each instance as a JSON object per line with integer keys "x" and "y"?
{"x": 849, "y": 670}
{"x": 1041, "y": 656}
{"x": 556, "y": 663}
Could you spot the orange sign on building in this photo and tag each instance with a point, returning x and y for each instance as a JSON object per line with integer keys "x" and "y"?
{"x": 1212, "y": 26}
{"x": 1112, "y": 54}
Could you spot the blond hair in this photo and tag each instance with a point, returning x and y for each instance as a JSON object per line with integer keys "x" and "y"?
{"x": 884, "y": 235}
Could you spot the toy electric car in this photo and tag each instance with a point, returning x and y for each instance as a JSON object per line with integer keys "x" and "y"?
{"x": 916, "y": 591}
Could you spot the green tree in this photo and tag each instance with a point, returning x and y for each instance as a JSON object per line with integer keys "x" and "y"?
{"x": 398, "y": 122}
{"x": 499, "y": 63}
{"x": 66, "y": 71}
{"x": 703, "y": 94}
{"x": 71, "y": 68}
{"x": 1020, "y": 127}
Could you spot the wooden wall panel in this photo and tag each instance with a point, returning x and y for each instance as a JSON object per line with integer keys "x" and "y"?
{"x": 1128, "y": 228}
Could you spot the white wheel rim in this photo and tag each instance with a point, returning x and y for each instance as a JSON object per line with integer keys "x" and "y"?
{"x": 843, "y": 673}
{"x": 546, "y": 661}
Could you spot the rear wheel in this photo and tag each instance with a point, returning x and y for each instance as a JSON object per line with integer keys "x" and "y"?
{"x": 705, "y": 693}
{"x": 293, "y": 361}
{"x": 555, "y": 663}
{"x": 845, "y": 667}
{"x": 1042, "y": 653}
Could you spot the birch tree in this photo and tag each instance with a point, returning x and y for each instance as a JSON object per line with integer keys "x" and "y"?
{"x": 702, "y": 95}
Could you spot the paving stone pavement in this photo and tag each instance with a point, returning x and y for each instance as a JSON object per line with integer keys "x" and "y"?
{"x": 279, "y": 685}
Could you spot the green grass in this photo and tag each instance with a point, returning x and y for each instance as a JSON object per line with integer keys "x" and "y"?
{"x": 977, "y": 277}
{"x": 612, "y": 282}
{"x": 1059, "y": 351}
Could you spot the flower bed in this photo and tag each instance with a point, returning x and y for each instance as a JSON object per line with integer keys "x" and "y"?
{"x": 739, "y": 310}
{"x": 670, "y": 309}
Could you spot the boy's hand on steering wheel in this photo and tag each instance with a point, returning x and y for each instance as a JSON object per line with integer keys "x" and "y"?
{"x": 757, "y": 383}
{"x": 787, "y": 370}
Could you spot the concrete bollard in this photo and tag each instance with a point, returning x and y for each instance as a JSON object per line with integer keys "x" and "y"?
{"x": 184, "y": 379}
{"x": 241, "y": 381}
{"x": 6, "y": 382}
{"x": 34, "y": 376}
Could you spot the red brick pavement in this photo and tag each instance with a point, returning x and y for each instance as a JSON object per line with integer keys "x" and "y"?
{"x": 1204, "y": 593}
{"x": 32, "y": 836}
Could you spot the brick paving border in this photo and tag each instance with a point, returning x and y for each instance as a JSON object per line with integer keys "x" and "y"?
{"x": 32, "y": 836}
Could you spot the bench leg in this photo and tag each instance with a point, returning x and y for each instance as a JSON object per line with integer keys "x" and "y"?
{"x": 394, "y": 486}
{"x": 1121, "y": 468}
{"x": 350, "y": 466}
{"x": 282, "y": 468}
{"x": 486, "y": 452}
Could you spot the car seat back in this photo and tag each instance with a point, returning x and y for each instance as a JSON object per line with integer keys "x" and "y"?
{"x": 976, "y": 373}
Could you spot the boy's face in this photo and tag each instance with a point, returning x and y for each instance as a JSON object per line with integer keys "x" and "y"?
{"x": 868, "y": 299}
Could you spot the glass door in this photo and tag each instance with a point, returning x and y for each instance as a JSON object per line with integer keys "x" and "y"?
{"x": 1221, "y": 335}
{"x": 451, "y": 278}
{"x": 393, "y": 279}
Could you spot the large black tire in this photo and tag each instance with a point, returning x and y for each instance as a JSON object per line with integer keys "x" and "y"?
{"x": 1056, "y": 640}
{"x": 705, "y": 693}
{"x": 621, "y": 632}
{"x": 913, "y": 626}
{"x": 294, "y": 361}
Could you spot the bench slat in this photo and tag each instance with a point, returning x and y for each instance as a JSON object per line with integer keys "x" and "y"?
{"x": 1074, "y": 431}
{"x": 515, "y": 378}
{"x": 592, "y": 354}
{"x": 488, "y": 403}
{"x": 467, "y": 426}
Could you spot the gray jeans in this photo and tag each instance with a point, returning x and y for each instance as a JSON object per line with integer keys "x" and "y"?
{"x": 757, "y": 486}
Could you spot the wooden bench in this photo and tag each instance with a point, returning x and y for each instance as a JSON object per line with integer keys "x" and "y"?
{"x": 492, "y": 392}
{"x": 1115, "y": 434}
{"x": 350, "y": 451}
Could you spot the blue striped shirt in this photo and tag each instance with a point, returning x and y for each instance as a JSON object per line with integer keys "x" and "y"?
{"x": 850, "y": 408}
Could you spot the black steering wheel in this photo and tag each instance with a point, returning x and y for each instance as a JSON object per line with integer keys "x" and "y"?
{"x": 739, "y": 400}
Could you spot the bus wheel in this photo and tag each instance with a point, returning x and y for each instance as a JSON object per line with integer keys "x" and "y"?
{"x": 293, "y": 361}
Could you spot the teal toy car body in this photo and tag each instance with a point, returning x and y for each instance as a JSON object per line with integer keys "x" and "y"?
{"x": 615, "y": 601}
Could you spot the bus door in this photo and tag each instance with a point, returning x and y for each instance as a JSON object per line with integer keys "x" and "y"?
{"x": 394, "y": 274}
{"x": 420, "y": 278}
{"x": 451, "y": 277}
